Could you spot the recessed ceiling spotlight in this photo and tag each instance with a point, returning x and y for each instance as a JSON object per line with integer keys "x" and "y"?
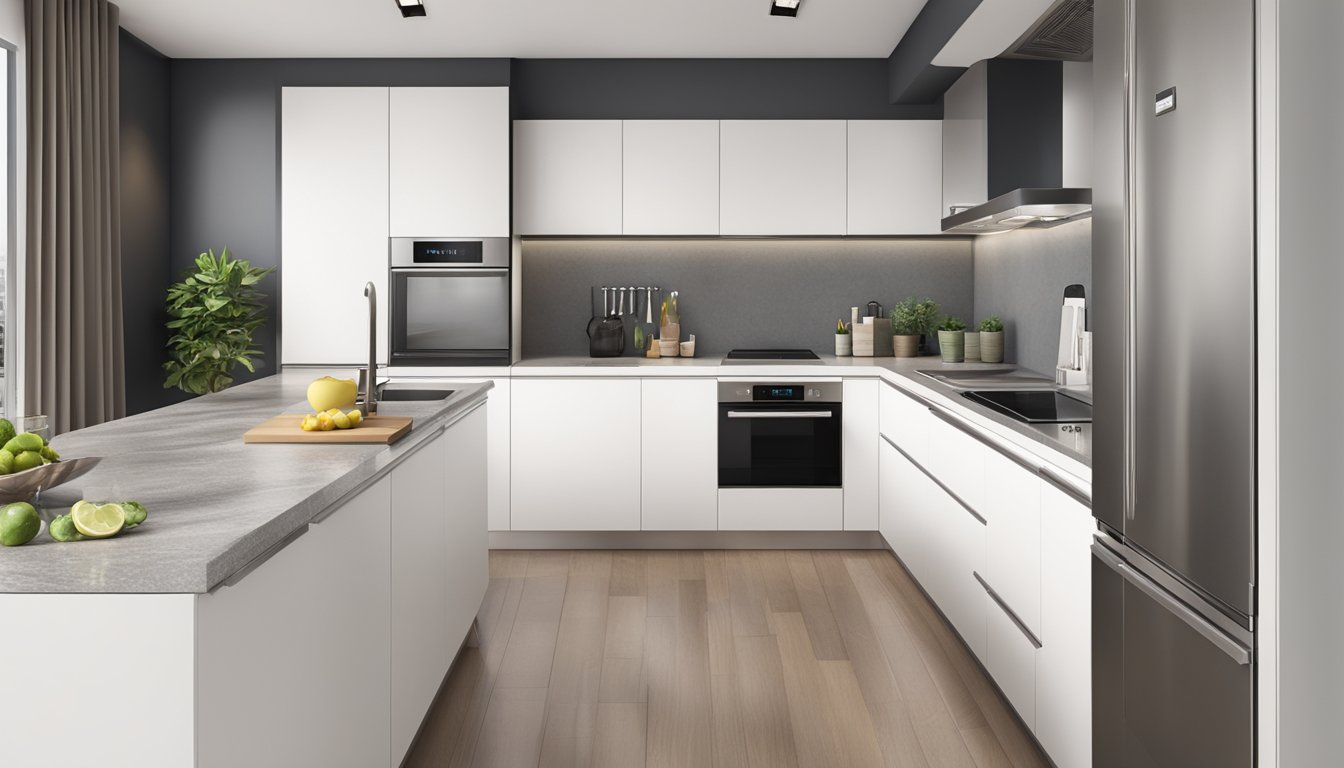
{"x": 784, "y": 7}
{"x": 411, "y": 8}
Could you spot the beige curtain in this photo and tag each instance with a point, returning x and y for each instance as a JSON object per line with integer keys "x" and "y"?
{"x": 73, "y": 334}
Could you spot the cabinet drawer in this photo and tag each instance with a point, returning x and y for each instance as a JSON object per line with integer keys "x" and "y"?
{"x": 957, "y": 460}
{"x": 959, "y": 552}
{"x": 1013, "y": 512}
{"x": 1011, "y": 660}
{"x": 781, "y": 509}
{"x": 905, "y": 422}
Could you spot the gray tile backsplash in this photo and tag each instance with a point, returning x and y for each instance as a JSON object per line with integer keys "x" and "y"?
{"x": 1021, "y": 275}
{"x": 738, "y": 292}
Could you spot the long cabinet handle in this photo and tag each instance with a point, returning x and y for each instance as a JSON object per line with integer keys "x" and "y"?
{"x": 1235, "y": 650}
{"x": 1050, "y": 477}
{"x": 1021, "y": 625}
{"x": 261, "y": 559}
{"x": 937, "y": 482}
{"x": 780, "y": 414}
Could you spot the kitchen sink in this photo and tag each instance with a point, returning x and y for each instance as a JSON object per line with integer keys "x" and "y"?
{"x": 391, "y": 393}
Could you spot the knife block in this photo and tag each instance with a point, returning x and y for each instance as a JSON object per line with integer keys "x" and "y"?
{"x": 872, "y": 339}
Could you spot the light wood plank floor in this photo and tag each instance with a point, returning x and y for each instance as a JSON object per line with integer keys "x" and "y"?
{"x": 767, "y": 659}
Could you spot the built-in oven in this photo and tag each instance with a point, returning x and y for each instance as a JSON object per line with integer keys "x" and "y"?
{"x": 450, "y": 301}
{"x": 779, "y": 435}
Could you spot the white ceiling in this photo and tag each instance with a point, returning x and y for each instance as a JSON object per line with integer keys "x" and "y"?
{"x": 519, "y": 28}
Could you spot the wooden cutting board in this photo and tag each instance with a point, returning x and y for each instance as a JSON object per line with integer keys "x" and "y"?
{"x": 373, "y": 429}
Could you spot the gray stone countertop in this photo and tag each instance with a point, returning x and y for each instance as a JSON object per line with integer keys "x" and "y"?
{"x": 214, "y": 503}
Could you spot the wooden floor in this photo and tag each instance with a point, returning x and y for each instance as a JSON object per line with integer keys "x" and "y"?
{"x": 767, "y": 659}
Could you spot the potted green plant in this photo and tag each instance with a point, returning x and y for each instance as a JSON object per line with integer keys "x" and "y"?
{"x": 911, "y": 322}
{"x": 952, "y": 339}
{"x": 991, "y": 339}
{"x": 215, "y": 310}
{"x": 844, "y": 343}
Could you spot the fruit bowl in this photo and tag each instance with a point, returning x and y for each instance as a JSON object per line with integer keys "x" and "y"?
{"x": 22, "y": 486}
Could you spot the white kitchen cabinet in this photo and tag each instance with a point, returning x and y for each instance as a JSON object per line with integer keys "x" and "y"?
{"x": 576, "y": 454}
{"x": 860, "y": 452}
{"x": 679, "y": 455}
{"x": 449, "y": 162}
{"x": 497, "y": 440}
{"x": 781, "y": 509}
{"x": 906, "y": 422}
{"x": 1011, "y": 660}
{"x": 422, "y": 640}
{"x": 671, "y": 177}
{"x": 296, "y": 654}
{"x": 567, "y": 177}
{"x": 957, "y": 459}
{"x": 1064, "y": 662}
{"x": 782, "y": 177}
{"x": 1013, "y": 510}
{"x": 895, "y": 177}
{"x": 334, "y": 222}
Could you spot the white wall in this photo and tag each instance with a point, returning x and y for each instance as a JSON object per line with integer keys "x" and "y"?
{"x": 12, "y": 32}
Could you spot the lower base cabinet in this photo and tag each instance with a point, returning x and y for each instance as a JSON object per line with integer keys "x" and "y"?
{"x": 1064, "y": 663}
{"x": 1010, "y": 657}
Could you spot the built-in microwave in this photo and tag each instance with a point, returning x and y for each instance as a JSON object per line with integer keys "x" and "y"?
{"x": 450, "y": 301}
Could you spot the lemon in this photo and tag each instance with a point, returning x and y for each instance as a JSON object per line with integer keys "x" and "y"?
{"x": 341, "y": 420}
{"x": 355, "y": 418}
{"x": 325, "y": 423}
{"x": 308, "y": 424}
{"x": 98, "y": 521}
{"x": 327, "y": 392}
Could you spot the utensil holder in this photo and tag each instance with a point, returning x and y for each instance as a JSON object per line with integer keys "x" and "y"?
{"x": 872, "y": 339}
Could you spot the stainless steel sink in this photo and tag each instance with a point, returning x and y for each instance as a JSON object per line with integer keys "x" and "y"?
{"x": 392, "y": 392}
{"x": 1006, "y": 377}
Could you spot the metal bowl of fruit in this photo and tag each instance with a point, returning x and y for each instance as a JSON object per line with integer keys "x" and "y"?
{"x": 29, "y": 466}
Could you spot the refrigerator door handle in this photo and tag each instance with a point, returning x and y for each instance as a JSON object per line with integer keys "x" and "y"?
{"x": 1235, "y": 650}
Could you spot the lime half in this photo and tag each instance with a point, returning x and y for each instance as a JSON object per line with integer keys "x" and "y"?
{"x": 98, "y": 521}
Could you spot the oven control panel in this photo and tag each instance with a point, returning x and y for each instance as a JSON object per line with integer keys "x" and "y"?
{"x": 779, "y": 392}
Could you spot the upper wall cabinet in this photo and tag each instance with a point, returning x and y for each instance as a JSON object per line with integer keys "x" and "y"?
{"x": 334, "y": 203}
{"x": 449, "y": 162}
{"x": 895, "y": 177}
{"x": 671, "y": 177}
{"x": 782, "y": 177}
{"x": 567, "y": 177}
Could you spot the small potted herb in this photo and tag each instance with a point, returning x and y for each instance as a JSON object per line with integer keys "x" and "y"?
{"x": 952, "y": 339}
{"x": 911, "y": 321}
{"x": 844, "y": 343}
{"x": 991, "y": 339}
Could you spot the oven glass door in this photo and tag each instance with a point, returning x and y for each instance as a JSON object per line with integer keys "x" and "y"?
{"x": 450, "y": 313}
{"x": 779, "y": 445}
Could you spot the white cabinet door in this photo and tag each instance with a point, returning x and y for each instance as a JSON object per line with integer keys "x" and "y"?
{"x": 334, "y": 223}
{"x": 497, "y": 440}
{"x": 1013, "y": 509}
{"x": 422, "y": 641}
{"x": 895, "y": 177}
{"x": 957, "y": 460}
{"x": 449, "y": 162}
{"x": 781, "y": 509}
{"x": 958, "y": 553}
{"x": 860, "y": 452}
{"x": 295, "y": 655}
{"x": 1064, "y": 664}
{"x": 782, "y": 177}
{"x": 576, "y": 454}
{"x": 680, "y": 467}
{"x": 1011, "y": 661}
{"x": 468, "y": 548}
{"x": 671, "y": 173}
{"x": 567, "y": 177}
{"x": 893, "y": 521}
{"x": 906, "y": 422}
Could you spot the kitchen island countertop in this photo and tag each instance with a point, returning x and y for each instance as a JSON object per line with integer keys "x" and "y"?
{"x": 215, "y": 504}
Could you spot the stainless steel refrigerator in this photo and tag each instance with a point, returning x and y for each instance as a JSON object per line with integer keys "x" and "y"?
{"x": 1173, "y": 573}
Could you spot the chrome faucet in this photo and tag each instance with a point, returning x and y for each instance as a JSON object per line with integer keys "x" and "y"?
{"x": 370, "y": 375}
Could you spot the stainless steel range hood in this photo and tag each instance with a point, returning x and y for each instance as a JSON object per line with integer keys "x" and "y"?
{"x": 1021, "y": 208}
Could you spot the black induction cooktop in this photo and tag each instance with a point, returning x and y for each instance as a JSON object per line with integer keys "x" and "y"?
{"x": 771, "y": 354}
{"x": 1037, "y": 406}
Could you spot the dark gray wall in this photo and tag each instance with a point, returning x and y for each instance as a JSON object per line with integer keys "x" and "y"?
{"x": 742, "y": 89}
{"x": 225, "y": 151}
{"x": 145, "y": 227}
{"x": 1021, "y": 276}
{"x": 738, "y": 293}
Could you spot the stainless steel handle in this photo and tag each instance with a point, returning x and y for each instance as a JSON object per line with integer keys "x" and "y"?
{"x": 1050, "y": 477}
{"x": 370, "y": 405}
{"x": 1129, "y": 418}
{"x": 780, "y": 414}
{"x": 1021, "y": 626}
{"x": 936, "y": 481}
{"x": 259, "y": 560}
{"x": 971, "y": 431}
{"x": 1235, "y": 650}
